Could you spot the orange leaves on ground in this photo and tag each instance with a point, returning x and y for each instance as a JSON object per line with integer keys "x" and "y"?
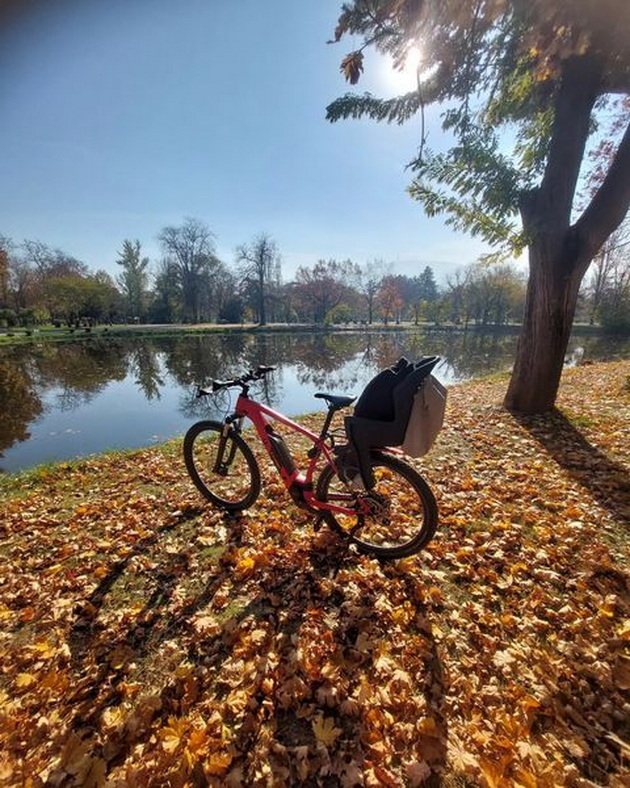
{"x": 148, "y": 639}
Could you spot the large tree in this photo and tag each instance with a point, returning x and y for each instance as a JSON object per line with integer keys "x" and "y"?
{"x": 133, "y": 280}
{"x": 259, "y": 264}
{"x": 324, "y": 286}
{"x": 167, "y": 293}
{"x": 5, "y": 248}
{"x": 545, "y": 72}
{"x": 189, "y": 249}
{"x": 369, "y": 282}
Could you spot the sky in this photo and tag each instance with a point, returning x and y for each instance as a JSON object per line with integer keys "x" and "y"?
{"x": 118, "y": 118}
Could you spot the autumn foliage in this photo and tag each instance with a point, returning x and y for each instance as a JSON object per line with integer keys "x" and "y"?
{"x": 149, "y": 640}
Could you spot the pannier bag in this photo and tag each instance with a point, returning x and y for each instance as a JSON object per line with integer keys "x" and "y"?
{"x": 395, "y": 410}
{"x": 426, "y": 419}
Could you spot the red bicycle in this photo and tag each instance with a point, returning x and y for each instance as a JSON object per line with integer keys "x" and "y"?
{"x": 393, "y": 515}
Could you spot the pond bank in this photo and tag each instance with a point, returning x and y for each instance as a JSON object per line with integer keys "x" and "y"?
{"x": 149, "y": 639}
{"x": 25, "y": 335}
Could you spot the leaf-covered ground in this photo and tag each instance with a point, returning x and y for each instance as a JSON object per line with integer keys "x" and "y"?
{"x": 147, "y": 640}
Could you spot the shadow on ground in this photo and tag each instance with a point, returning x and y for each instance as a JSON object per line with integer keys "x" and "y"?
{"x": 290, "y": 665}
{"x": 607, "y": 480}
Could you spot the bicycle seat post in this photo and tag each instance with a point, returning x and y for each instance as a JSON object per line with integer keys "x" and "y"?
{"x": 327, "y": 421}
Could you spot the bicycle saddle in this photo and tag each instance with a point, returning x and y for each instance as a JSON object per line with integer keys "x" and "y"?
{"x": 335, "y": 402}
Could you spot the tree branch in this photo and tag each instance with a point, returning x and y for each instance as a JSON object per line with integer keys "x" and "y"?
{"x": 579, "y": 87}
{"x": 610, "y": 204}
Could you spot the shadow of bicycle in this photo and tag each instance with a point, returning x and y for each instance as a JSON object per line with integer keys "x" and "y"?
{"x": 293, "y": 665}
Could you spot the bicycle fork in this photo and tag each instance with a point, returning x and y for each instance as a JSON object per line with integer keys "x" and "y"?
{"x": 221, "y": 462}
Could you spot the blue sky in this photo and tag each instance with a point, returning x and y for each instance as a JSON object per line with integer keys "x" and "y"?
{"x": 121, "y": 117}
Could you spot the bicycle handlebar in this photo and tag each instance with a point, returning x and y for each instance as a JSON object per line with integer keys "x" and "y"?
{"x": 242, "y": 381}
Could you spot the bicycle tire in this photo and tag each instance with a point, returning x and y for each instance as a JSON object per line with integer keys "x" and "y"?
{"x": 400, "y": 491}
{"x": 238, "y": 485}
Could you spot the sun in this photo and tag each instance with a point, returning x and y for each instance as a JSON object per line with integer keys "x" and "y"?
{"x": 406, "y": 78}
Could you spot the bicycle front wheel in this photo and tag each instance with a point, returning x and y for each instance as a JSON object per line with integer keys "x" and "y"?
{"x": 223, "y": 469}
{"x": 397, "y": 518}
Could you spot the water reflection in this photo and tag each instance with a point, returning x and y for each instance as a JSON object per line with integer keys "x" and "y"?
{"x": 109, "y": 392}
{"x": 19, "y": 404}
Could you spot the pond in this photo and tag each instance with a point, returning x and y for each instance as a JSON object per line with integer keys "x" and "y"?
{"x": 64, "y": 400}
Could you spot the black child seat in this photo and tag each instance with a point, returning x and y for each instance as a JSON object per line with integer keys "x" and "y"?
{"x": 384, "y": 409}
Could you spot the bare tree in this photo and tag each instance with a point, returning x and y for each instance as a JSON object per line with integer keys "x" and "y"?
{"x": 190, "y": 248}
{"x": 370, "y": 281}
{"x": 259, "y": 263}
{"x": 52, "y": 263}
{"x": 605, "y": 267}
{"x": 454, "y": 295}
{"x": 22, "y": 282}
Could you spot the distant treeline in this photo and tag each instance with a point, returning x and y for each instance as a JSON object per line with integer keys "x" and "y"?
{"x": 190, "y": 284}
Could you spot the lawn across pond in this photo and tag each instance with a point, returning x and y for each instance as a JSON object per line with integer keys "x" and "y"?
{"x": 147, "y": 639}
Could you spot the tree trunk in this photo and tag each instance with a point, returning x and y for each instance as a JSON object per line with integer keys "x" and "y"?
{"x": 559, "y": 252}
{"x": 261, "y": 298}
{"x": 552, "y": 293}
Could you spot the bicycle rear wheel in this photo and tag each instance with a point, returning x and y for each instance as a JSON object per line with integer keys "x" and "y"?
{"x": 224, "y": 470}
{"x": 397, "y": 518}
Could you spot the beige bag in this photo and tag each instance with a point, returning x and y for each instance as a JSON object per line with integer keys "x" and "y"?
{"x": 427, "y": 417}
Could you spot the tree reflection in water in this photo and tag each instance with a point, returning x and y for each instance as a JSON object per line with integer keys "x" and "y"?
{"x": 19, "y": 404}
{"x": 36, "y": 379}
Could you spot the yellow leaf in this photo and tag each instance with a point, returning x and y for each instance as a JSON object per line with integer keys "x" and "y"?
{"x": 245, "y": 567}
{"x": 400, "y": 616}
{"x": 436, "y": 632}
{"x": 172, "y": 734}
{"x": 43, "y": 649}
{"x": 113, "y": 717}
{"x": 170, "y": 740}
{"x": 24, "y": 680}
{"x": 623, "y": 631}
{"x": 324, "y": 730}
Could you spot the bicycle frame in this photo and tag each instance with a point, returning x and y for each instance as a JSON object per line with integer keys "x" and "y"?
{"x": 298, "y": 484}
